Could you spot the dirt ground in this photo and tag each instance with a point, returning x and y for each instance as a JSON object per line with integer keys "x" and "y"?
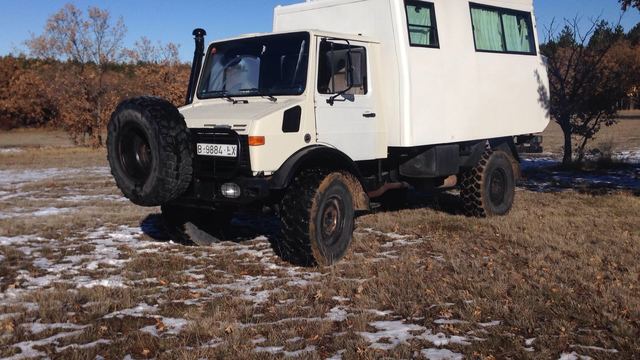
{"x": 84, "y": 274}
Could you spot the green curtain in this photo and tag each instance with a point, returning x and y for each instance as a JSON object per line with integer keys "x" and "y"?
{"x": 487, "y": 30}
{"x": 420, "y": 26}
{"x": 517, "y": 35}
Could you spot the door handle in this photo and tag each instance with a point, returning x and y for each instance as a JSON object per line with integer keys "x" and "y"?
{"x": 369, "y": 114}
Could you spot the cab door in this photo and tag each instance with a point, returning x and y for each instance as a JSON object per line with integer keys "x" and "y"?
{"x": 345, "y": 105}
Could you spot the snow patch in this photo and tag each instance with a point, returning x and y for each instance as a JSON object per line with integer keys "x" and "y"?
{"x": 51, "y": 211}
{"x": 17, "y": 178}
{"x": 84, "y": 346}
{"x": 574, "y": 356}
{"x": 248, "y": 285}
{"x": 10, "y": 151}
{"x": 113, "y": 282}
{"x": 340, "y": 299}
{"x": 139, "y": 311}
{"x": 91, "y": 198}
{"x": 337, "y": 314}
{"x": 37, "y": 328}
{"x": 393, "y": 332}
{"x": 450, "y": 322}
{"x": 379, "y": 312}
{"x": 168, "y": 326}
{"x": 259, "y": 340}
{"x": 337, "y": 355}
{"x": 27, "y": 348}
{"x": 441, "y": 339}
{"x": 490, "y": 323}
{"x": 269, "y": 349}
{"x": 441, "y": 354}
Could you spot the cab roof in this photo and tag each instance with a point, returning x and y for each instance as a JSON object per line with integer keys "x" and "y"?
{"x": 317, "y": 33}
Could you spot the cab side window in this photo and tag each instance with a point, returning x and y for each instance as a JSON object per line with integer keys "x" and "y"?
{"x": 335, "y": 58}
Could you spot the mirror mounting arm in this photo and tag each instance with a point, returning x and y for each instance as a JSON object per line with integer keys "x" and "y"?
{"x": 349, "y": 70}
{"x": 333, "y": 97}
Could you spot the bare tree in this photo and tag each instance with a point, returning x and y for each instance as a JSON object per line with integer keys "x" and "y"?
{"x": 145, "y": 52}
{"x": 93, "y": 41}
{"x": 589, "y": 73}
{"x": 630, "y": 3}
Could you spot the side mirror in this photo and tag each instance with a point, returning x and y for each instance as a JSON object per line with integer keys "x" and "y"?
{"x": 355, "y": 62}
{"x": 346, "y": 65}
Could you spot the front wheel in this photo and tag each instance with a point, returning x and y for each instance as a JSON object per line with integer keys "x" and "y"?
{"x": 317, "y": 215}
{"x": 488, "y": 189}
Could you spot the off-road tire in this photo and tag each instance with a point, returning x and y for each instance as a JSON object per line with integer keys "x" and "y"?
{"x": 315, "y": 198}
{"x": 488, "y": 189}
{"x": 195, "y": 226}
{"x": 149, "y": 151}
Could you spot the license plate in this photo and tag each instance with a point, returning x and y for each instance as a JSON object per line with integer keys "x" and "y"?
{"x": 222, "y": 150}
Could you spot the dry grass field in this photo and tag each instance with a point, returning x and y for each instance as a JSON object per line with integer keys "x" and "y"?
{"x": 84, "y": 274}
{"x": 623, "y": 136}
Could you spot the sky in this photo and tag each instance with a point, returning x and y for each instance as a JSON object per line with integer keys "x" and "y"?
{"x": 173, "y": 21}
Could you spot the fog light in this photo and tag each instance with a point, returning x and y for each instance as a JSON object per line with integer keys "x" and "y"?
{"x": 230, "y": 190}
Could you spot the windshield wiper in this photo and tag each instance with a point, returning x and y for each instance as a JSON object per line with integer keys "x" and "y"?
{"x": 234, "y": 101}
{"x": 257, "y": 91}
{"x": 225, "y": 94}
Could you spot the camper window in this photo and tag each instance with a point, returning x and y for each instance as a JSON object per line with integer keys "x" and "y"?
{"x": 421, "y": 20}
{"x": 502, "y": 30}
{"x": 333, "y": 74}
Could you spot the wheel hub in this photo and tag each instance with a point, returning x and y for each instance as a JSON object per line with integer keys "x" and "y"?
{"x": 332, "y": 220}
{"x": 135, "y": 153}
{"x": 497, "y": 186}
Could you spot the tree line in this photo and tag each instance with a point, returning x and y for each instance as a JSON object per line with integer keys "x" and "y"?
{"x": 78, "y": 70}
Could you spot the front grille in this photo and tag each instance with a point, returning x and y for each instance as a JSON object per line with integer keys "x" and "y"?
{"x": 209, "y": 167}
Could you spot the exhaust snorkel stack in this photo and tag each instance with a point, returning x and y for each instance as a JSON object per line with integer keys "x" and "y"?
{"x": 196, "y": 65}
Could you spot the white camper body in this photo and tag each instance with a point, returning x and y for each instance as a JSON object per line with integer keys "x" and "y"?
{"x": 450, "y": 93}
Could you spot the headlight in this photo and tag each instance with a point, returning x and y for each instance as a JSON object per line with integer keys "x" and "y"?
{"x": 230, "y": 190}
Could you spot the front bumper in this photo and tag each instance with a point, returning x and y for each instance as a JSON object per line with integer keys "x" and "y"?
{"x": 210, "y": 173}
{"x": 206, "y": 193}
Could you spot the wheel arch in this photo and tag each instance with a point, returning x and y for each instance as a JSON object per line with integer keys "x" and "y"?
{"x": 507, "y": 145}
{"x": 320, "y": 156}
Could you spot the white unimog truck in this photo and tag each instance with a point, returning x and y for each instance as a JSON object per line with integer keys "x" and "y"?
{"x": 345, "y": 101}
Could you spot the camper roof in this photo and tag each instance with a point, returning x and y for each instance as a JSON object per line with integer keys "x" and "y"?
{"x": 313, "y": 4}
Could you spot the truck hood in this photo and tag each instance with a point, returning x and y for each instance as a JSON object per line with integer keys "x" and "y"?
{"x": 217, "y": 112}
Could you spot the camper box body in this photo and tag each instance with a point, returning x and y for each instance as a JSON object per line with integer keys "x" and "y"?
{"x": 436, "y": 95}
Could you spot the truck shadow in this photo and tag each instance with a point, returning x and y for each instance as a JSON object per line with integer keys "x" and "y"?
{"x": 243, "y": 227}
{"x": 448, "y": 202}
{"x": 246, "y": 226}
{"x": 547, "y": 175}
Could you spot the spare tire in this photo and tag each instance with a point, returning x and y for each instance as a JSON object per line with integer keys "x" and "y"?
{"x": 149, "y": 151}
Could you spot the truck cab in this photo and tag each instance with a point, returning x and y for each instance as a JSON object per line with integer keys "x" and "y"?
{"x": 289, "y": 91}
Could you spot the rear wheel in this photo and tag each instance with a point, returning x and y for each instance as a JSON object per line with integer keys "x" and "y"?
{"x": 317, "y": 215}
{"x": 488, "y": 189}
{"x": 195, "y": 226}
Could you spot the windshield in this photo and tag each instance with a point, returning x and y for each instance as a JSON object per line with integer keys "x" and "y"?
{"x": 261, "y": 66}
